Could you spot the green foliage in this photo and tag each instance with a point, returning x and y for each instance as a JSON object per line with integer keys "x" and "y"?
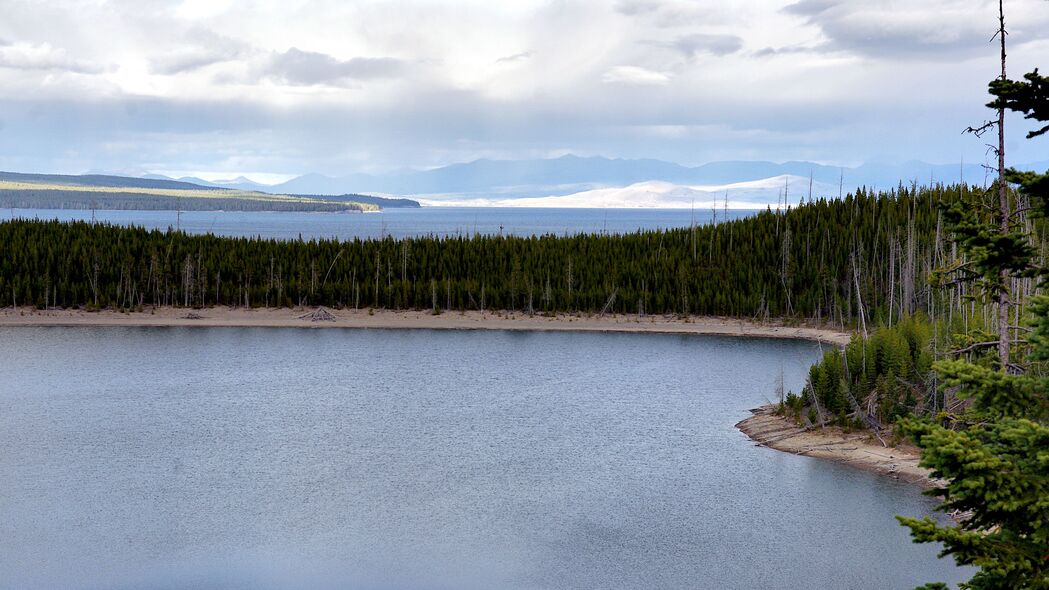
{"x": 47, "y": 195}
{"x": 995, "y": 464}
{"x": 996, "y": 394}
{"x": 793, "y": 404}
{"x": 1032, "y": 184}
{"x": 892, "y": 364}
{"x": 998, "y": 473}
{"x": 1039, "y": 336}
{"x": 988, "y": 249}
{"x": 1030, "y": 97}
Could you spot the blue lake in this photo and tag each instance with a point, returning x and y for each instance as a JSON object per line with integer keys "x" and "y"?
{"x": 298, "y": 458}
{"x": 426, "y": 221}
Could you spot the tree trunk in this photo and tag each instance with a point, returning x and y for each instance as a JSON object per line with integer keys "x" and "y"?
{"x": 1003, "y": 202}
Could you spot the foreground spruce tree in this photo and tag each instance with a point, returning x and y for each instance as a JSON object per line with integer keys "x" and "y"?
{"x": 997, "y": 473}
{"x": 995, "y": 459}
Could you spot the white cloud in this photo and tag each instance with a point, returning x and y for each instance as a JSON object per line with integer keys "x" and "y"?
{"x": 514, "y": 58}
{"x": 43, "y": 56}
{"x": 309, "y": 85}
{"x": 298, "y": 67}
{"x": 634, "y": 75}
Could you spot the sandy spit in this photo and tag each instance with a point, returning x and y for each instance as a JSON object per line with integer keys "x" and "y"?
{"x": 382, "y": 319}
{"x": 858, "y": 449}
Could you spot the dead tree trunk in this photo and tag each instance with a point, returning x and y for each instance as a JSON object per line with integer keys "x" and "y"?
{"x": 1004, "y": 295}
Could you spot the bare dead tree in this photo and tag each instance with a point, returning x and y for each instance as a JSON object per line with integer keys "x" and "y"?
{"x": 1003, "y": 295}
{"x": 569, "y": 284}
{"x": 610, "y": 302}
{"x": 785, "y": 268}
{"x": 859, "y": 299}
{"x": 1003, "y": 204}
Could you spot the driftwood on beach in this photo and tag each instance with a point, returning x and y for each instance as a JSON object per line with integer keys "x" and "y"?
{"x": 318, "y": 315}
{"x": 766, "y": 428}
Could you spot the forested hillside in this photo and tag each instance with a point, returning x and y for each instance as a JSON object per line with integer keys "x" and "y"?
{"x": 848, "y": 261}
{"x": 142, "y": 200}
{"x": 67, "y": 194}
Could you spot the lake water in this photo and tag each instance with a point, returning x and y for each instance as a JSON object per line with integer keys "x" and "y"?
{"x": 299, "y": 458}
{"x": 426, "y": 221}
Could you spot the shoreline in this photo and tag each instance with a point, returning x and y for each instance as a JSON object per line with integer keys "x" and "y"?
{"x": 857, "y": 449}
{"x": 763, "y": 427}
{"x": 214, "y": 317}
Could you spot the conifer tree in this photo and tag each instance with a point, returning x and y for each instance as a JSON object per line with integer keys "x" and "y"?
{"x": 996, "y": 462}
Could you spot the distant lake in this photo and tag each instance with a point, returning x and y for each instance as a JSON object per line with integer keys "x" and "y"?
{"x": 298, "y": 458}
{"x": 438, "y": 221}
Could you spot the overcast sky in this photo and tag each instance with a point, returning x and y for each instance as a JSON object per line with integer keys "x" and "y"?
{"x": 286, "y": 87}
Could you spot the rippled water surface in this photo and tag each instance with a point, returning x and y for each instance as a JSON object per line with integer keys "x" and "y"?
{"x": 275, "y": 458}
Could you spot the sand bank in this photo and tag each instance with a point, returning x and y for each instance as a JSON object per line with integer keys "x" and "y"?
{"x": 381, "y": 319}
{"x": 858, "y": 449}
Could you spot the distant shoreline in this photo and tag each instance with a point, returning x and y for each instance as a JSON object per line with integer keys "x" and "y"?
{"x": 415, "y": 319}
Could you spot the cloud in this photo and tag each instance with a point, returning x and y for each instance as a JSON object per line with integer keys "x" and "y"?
{"x": 670, "y": 13}
{"x": 634, "y": 75}
{"x": 751, "y": 80}
{"x": 514, "y": 58}
{"x": 187, "y": 61}
{"x": 697, "y": 44}
{"x": 810, "y": 7}
{"x": 793, "y": 50}
{"x": 932, "y": 29}
{"x": 42, "y": 56}
{"x": 199, "y": 49}
{"x": 308, "y": 68}
{"x": 637, "y": 7}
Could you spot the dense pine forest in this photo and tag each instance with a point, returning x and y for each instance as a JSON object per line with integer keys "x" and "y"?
{"x": 144, "y": 201}
{"x": 95, "y": 191}
{"x": 850, "y": 262}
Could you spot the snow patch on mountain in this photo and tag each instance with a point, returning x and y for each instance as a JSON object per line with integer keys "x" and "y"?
{"x": 664, "y": 195}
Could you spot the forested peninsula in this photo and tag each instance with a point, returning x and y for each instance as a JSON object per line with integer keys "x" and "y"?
{"x": 55, "y": 191}
{"x": 853, "y": 261}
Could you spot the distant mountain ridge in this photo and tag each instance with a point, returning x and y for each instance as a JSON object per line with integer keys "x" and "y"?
{"x": 157, "y": 181}
{"x": 153, "y": 182}
{"x": 500, "y": 181}
{"x": 572, "y": 174}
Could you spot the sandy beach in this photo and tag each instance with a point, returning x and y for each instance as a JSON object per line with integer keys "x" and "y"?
{"x": 383, "y": 319}
{"x": 858, "y": 449}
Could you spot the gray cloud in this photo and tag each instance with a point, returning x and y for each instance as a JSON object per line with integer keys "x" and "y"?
{"x": 187, "y": 61}
{"x": 42, "y": 56}
{"x": 810, "y": 7}
{"x": 793, "y": 50}
{"x": 199, "y": 49}
{"x": 438, "y": 125}
{"x": 697, "y": 44}
{"x": 308, "y": 68}
{"x": 935, "y": 30}
{"x": 605, "y": 78}
{"x": 515, "y": 57}
{"x": 637, "y": 7}
{"x": 669, "y": 13}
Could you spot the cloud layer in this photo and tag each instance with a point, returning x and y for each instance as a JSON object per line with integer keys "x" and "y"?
{"x": 335, "y": 87}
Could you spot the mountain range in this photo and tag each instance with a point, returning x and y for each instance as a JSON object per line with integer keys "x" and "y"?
{"x": 508, "y": 179}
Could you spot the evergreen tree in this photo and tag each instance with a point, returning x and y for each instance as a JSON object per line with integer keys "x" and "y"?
{"x": 996, "y": 461}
